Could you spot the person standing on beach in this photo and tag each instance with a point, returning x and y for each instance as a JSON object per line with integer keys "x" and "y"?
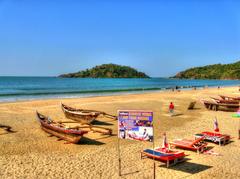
{"x": 171, "y": 108}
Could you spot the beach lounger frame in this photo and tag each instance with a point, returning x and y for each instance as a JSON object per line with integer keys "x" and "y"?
{"x": 192, "y": 146}
{"x": 220, "y": 140}
{"x": 169, "y": 162}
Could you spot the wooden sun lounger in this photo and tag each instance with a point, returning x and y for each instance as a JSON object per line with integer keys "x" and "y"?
{"x": 170, "y": 158}
{"x": 195, "y": 145}
{"x": 221, "y": 139}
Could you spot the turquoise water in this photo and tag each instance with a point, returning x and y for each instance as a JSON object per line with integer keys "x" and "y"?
{"x": 24, "y": 88}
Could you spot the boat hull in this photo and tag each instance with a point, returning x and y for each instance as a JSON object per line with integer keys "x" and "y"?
{"x": 227, "y": 98}
{"x": 67, "y": 137}
{"x": 59, "y": 130}
{"x": 220, "y": 106}
{"x": 80, "y": 115}
{"x": 222, "y": 101}
{"x": 80, "y": 118}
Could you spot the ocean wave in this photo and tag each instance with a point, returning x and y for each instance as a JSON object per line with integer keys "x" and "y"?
{"x": 76, "y": 92}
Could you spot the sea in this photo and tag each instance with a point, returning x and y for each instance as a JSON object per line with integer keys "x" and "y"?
{"x": 30, "y": 88}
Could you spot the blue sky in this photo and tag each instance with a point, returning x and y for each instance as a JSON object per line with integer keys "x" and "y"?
{"x": 47, "y": 38}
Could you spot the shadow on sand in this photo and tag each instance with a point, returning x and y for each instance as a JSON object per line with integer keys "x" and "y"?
{"x": 97, "y": 122}
{"x": 209, "y": 148}
{"x": 194, "y": 109}
{"x": 177, "y": 114}
{"x": 189, "y": 167}
{"x": 7, "y": 129}
{"x": 88, "y": 141}
{"x": 129, "y": 173}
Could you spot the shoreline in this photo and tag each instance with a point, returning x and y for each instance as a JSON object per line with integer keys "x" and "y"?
{"x": 112, "y": 94}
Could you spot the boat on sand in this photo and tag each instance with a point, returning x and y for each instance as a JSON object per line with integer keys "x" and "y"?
{"x": 215, "y": 106}
{"x": 83, "y": 116}
{"x": 230, "y": 98}
{"x": 224, "y": 101}
{"x": 72, "y": 135}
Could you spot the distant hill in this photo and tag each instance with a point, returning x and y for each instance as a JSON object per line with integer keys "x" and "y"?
{"x": 217, "y": 71}
{"x": 107, "y": 71}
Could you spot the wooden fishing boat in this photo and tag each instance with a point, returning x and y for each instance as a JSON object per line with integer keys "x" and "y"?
{"x": 228, "y": 98}
{"x": 225, "y": 101}
{"x": 92, "y": 128}
{"x": 82, "y": 115}
{"x": 60, "y": 130}
{"x": 213, "y": 105}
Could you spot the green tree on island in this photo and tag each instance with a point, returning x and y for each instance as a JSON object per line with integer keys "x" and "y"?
{"x": 107, "y": 71}
{"x": 217, "y": 71}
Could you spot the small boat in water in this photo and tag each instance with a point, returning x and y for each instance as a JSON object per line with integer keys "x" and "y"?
{"x": 59, "y": 130}
{"x": 83, "y": 116}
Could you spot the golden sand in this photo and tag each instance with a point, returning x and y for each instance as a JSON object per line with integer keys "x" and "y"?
{"x": 29, "y": 152}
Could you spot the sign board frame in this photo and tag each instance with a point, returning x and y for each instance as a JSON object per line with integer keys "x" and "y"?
{"x": 135, "y": 125}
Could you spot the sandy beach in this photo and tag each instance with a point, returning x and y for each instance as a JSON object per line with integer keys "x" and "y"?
{"x": 29, "y": 152}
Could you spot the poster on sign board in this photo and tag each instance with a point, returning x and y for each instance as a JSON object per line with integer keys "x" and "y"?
{"x": 135, "y": 125}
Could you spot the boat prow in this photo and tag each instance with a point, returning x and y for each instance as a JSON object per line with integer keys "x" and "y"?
{"x": 83, "y": 116}
{"x": 59, "y": 130}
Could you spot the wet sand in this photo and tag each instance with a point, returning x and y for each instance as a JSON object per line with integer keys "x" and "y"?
{"x": 29, "y": 152}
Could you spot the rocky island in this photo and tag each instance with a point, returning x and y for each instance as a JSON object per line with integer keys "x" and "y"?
{"x": 217, "y": 71}
{"x": 107, "y": 71}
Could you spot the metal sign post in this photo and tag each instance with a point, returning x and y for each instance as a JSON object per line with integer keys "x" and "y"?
{"x": 134, "y": 125}
{"x": 154, "y": 163}
{"x": 119, "y": 159}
